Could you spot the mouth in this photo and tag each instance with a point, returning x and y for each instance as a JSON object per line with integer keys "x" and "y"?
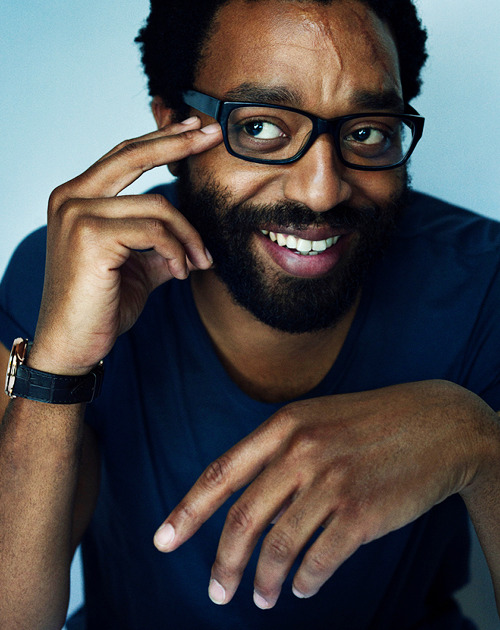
{"x": 308, "y": 253}
{"x": 302, "y": 246}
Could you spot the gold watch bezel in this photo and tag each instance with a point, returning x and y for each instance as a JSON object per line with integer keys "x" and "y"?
{"x": 17, "y": 357}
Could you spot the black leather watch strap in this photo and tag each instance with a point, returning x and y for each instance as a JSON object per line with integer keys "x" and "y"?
{"x": 27, "y": 382}
{"x": 56, "y": 389}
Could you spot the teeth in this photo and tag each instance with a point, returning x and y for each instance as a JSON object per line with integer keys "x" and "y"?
{"x": 301, "y": 245}
{"x": 281, "y": 240}
{"x": 304, "y": 246}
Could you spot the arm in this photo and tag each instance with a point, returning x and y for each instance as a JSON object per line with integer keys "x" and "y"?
{"x": 96, "y": 285}
{"x": 360, "y": 465}
{"x": 42, "y": 515}
{"x": 482, "y": 498}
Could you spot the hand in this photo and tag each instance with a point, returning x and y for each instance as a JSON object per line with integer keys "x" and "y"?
{"x": 96, "y": 284}
{"x": 358, "y": 465}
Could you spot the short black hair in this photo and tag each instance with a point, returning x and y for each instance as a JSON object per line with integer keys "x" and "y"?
{"x": 172, "y": 40}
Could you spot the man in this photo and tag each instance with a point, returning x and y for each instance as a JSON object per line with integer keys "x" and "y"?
{"x": 349, "y": 397}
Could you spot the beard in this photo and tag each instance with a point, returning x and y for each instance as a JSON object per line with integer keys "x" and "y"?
{"x": 287, "y": 303}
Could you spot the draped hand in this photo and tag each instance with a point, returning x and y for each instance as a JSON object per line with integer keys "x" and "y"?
{"x": 357, "y": 465}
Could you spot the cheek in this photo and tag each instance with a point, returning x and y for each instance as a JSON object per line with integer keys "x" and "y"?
{"x": 376, "y": 187}
{"x": 242, "y": 180}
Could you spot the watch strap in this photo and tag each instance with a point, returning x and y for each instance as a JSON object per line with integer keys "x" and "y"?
{"x": 54, "y": 388}
{"x": 27, "y": 382}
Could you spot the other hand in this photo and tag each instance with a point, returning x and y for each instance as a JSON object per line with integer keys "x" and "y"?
{"x": 358, "y": 465}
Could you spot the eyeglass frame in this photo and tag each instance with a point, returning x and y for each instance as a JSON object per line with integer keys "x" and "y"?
{"x": 221, "y": 110}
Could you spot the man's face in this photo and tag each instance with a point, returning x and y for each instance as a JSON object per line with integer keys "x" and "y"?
{"x": 330, "y": 61}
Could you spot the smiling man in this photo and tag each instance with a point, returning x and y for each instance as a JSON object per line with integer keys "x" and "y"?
{"x": 330, "y": 369}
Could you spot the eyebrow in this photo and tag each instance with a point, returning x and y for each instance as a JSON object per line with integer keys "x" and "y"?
{"x": 271, "y": 95}
{"x": 389, "y": 99}
{"x": 284, "y": 95}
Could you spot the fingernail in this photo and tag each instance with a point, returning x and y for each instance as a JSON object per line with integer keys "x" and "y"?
{"x": 189, "y": 121}
{"x": 216, "y": 592}
{"x": 298, "y": 593}
{"x": 213, "y": 128}
{"x": 164, "y": 536}
{"x": 260, "y": 602}
{"x": 209, "y": 256}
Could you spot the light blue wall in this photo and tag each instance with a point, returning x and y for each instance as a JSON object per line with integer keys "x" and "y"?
{"x": 71, "y": 88}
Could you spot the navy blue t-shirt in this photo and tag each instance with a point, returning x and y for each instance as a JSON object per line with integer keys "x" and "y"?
{"x": 168, "y": 408}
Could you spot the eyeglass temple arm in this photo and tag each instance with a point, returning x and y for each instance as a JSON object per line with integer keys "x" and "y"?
{"x": 202, "y": 102}
{"x": 411, "y": 110}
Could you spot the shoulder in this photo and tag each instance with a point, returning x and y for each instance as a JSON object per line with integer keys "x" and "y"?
{"x": 443, "y": 256}
{"x": 27, "y": 264}
{"x": 22, "y": 285}
{"x": 431, "y": 219}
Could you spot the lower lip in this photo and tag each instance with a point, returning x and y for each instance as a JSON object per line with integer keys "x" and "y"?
{"x": 306, "y": 266}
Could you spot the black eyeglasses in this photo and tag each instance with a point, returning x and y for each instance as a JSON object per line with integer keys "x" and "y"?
{"x": 271, "y": 134}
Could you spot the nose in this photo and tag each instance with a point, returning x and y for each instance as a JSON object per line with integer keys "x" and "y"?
{"x": 316, "y": 180}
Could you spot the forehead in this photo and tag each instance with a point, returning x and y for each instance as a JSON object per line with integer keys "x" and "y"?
{"x": 324, "y": 54}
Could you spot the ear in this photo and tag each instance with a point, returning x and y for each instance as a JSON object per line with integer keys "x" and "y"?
{"x": 164, "y": 116}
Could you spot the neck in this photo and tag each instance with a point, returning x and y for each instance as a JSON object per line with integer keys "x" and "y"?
{"x": 267, "y": 364}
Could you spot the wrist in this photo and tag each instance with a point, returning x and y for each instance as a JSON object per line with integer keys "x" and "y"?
{"x": 49, "y": 358}
{"x": 26, "y": 381}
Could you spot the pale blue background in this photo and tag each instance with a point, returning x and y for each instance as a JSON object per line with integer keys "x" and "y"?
{"x": 71, "y": 88}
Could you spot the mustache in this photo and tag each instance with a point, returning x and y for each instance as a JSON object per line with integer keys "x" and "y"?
{"x": 298, "y": 216}
{"x": 245, "y": 217}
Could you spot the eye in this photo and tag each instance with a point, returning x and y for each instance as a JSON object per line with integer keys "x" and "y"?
{"x": 262, "y": 130}
{"x": 367, "y": 135}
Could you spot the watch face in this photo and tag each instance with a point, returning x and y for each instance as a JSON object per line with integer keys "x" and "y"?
{"x": 17, "y": 356}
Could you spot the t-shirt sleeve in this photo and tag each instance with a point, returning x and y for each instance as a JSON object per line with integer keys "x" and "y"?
{"x": 21, "y": 289}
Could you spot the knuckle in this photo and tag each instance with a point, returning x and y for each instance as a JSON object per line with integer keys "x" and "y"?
{"x": 278, "y": 546}
{"x": 82, "y": 231}
{"x": 283, "y": 424}
{"x": 239, "y": 518}
{"x": 157, "y": 201}
{"x": 186, "y": 512}
{"x": 72, "y": 221}
{"x": 130, "y": 146}
{"x": 303, "y": 442}
{"x": 319, "y": 565}
{"x": 217, "y": 473}
{"x": 122, "y": 145}
{"x": 57, "y": 198}
{"x": 353, "y": 510}
{"x": 154, "y": 226}
{"x": 188, "y": 136}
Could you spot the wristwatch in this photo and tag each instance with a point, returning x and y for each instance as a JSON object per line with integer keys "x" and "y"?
{"x": 25, "y": 382}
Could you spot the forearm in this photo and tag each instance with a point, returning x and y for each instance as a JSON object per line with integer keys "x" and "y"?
{"x": 39, "y": 456}
{"x": 482, "y": 498}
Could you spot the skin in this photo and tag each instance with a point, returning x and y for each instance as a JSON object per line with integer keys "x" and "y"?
{"x": 434, "y": 438}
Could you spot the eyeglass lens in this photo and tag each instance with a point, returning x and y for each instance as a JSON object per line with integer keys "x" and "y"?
{"x": 278, "y": 134}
